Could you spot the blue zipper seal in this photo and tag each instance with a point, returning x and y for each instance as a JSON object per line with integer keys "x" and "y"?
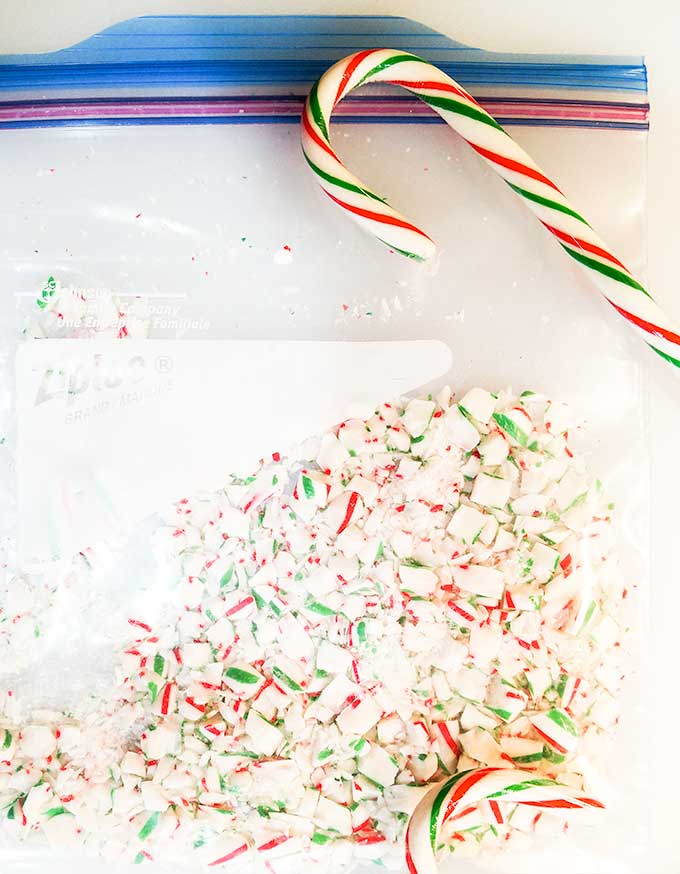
{"x": 213, "y": 51}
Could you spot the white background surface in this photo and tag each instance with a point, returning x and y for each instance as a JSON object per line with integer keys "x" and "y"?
{"x": 614, "y": 26}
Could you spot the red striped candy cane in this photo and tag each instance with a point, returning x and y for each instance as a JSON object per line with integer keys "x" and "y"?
{"x": 483, "y": 792}
{"x": 462, "y": 112}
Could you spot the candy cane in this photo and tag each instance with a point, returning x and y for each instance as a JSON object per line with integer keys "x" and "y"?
{"x": 462, "y": 112}
{"x": 465, "y": 792}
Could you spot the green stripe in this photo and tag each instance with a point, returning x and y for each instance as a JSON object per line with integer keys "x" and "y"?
{"x": 605, "y": 269}
{"x": 55, "y": 811}
{"x": 561, "y": 719}
{"x": 531, "y": 757}
{"x": 437, "y": 805}
{"x": 665, "y": 355}
{"x": 525, "y": 784}
{"x": 499, "y": 711}
{"x": 589, "y": 614}
{"x": 241, "y": 676}
{"x": 259, "y": 600}
{"x": 341, "y": 183}
{"x": 321, "y": 609}
{"x": 158, "y": 665}
{"x": 562, "y": 685}
{"x": 308, "y": 486}
{"x": 386, "y": 64}
{"x": 149, "y": 826}
{"x": 372, "y": 781}
{"x": 399, "y": 251}
{"x": 512, "y": 428}
{"x": 451, "y": 105}
{"x": 7, "y": 741}
{"x": 361, "y": 632}
{"x": 316, "y": 111}
{"x": 545, "y": 201}
{"x": 289, "y": 681}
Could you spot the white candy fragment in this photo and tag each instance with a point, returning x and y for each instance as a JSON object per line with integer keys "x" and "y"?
{"x": 37, "y": 742}
{"x": 479, "y": 404}
{"x": 332, "y": 454}
{"x": 417, "y": 580}
{"x": 417, "y": 416}
{"x": 262, "y": 737}
{"x": 494, "y": 449}
{"x": 359, "y": 717}
{"x": 485, "y": 581}
{"x": 379, "y": 767}
{"x": 466, "y": 524}
{"x": 333, "y": 816}
{"x": 490, "y": 491}
{"x": 461, "y": 431}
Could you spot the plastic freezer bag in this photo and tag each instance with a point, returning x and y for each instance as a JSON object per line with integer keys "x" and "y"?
{"x": 187, "y": 316}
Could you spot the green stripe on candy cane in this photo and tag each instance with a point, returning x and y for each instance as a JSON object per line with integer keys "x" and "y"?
{"x": 242, "y": 676}
{"x": 149, "y": 826}
{"x": 466, "y": 790}
{"x": 494, "y": 146}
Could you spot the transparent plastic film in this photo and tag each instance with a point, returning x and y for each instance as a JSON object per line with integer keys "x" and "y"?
{"x": 296, "y": 528}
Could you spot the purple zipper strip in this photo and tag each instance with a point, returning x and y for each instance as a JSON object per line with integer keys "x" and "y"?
{"x": 79, "y": 111}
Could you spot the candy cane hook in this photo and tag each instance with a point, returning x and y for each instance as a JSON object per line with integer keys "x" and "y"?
{"x": 483, "y": 133}
{"x": 488, "y": 796}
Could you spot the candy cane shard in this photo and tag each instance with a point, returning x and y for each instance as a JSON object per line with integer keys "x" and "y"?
{"x": 483, "y": 133}
{"x": 466, "y": 792}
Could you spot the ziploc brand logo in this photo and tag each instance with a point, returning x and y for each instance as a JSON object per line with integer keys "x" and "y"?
{"x": 96, "y": 374}
{"x": 97, "y": 377}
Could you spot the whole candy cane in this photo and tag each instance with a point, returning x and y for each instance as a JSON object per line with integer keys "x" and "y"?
{"x": 462, "y": 112}
{"x": 481, "y": 796}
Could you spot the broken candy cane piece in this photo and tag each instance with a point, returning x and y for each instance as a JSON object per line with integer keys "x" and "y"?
{"x": 558, "y": 730}
{"x": 359, "y": 717}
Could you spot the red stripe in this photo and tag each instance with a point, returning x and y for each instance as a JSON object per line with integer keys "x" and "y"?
{"x": 550, "y": 740}
{"x": 496, "y": 811}
{"x": 165, "y": 702}
{"x": 650, "y": 327}
{"x": 463, "y": 787}
{"x": 591, "y": 802}
{"x": 241, "y": 604}
{"x": 509, "y": 164}
{"x": 349, "y": 70}
{"x": 410, "y": 864}
{"x": 351, "y": 504}
{"x": 435, "y": 86}
{"x": 573, "y": 694}
{"x": 377, "y": 216}
{"x": 281, "y": 839}
{"x": 556, "y": 803}
{"x": 138, "y": 624}
{"x": 461, "y": 612}
{"x": 582, "y": 244}
{"x": 450, "y": 742}
{"x": 237, "y": 852}
{"x": 313, "y": 135}
{"x": 464, "y": 812}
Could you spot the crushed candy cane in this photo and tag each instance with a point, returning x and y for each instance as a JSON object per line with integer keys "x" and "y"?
{"x": 435, "y": 590}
